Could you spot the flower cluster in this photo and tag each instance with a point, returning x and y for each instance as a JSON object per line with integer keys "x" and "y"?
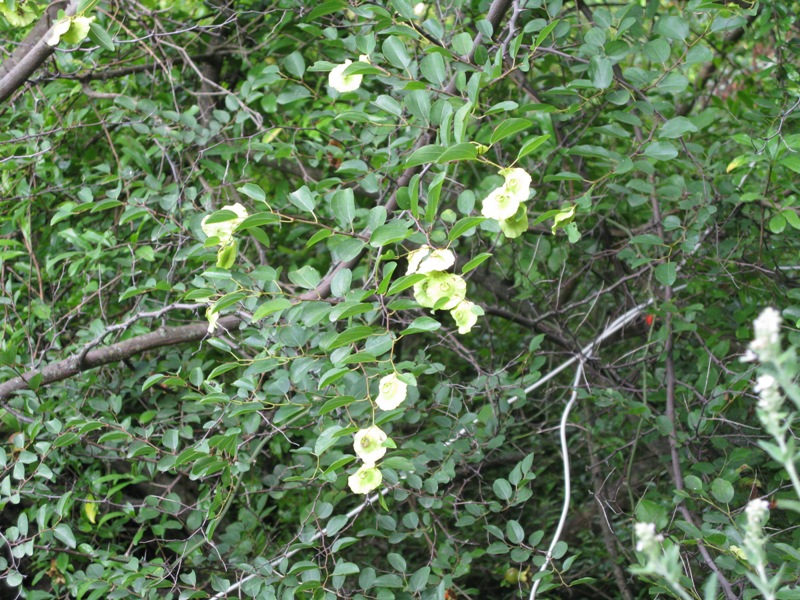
{"x": 370, "y": 443}
{"x": 345, "y": 83}
{"x": 757, "y": 512}
{"x": 766, "y": 344}
{"x": 647, "y": 540}
{"x": 221, "y": 228}
{"x": 505, "y": 204}
{"x": 440, "y": 289}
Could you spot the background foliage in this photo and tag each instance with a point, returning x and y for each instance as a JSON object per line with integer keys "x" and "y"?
{"x": 144, "y": 458}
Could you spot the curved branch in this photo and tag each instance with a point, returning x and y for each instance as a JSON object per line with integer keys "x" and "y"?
{"x": 32, "y": 52}
{"x": 163, "y": 336}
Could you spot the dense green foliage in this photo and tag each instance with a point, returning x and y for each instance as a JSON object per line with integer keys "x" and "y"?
{"x": 144, "y": 457}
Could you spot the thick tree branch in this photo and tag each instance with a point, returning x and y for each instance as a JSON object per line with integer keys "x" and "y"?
{"x": 164, "y": 336}
{"x": 32, "y": 52}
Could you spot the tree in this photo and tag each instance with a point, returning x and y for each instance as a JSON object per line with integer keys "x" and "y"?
{"x": 381, "y": 300}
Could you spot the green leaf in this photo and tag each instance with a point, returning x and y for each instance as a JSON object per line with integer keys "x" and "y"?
{"x": 421, "y": 324}
{"x": 777, "y": 223}
{"x": 462, "y": 44}
{"x": 667, "y": 273}
{"x": 335, "y": 403}
{"x": 461, "y": 120}
{"x": 601, "y": 72}
{"x": 251, "y": 190}
{"x": 424, "y": 155}
{"x": 271, "y": 306}
{"x": 418, "y": 103}
{"x": 395, "y": 52}
{"x": 661, "y": 151}
{"x": 475, "y": 262}
{"x": 100, "y": 36}
{"x": 64, "y": 534}
{"x": 326, "y": 8}
{"x": 327, "y": 439}
{"x": 318, "y": 237}
{"x": 419, "y": 580}
{"x": 346, "y": 568}
{"x": 464, "y": 225}
{"x": 657, "y": 50}
{"x": 508, "y": 128}
{"x": 303, "y": 199}
{"x": 396, "y": 231}
{"x": 547, "y": 30}
{"x": 433, "y": 68}
{"x": 463, "y": 151}
{"x": 344, "y": 207}
{"x": 722, "y": 490}
{"x": 502, "y": 489}
{"x": 673, "y": 27}
{"x": 404, "y": 282}
{"x": 532, "y": 144}
{"x": 295, "y": 64}
{"x": 515, "y": 532}
{"x": 306, "y": 277}
{"x": 351, "y": 335}
{"x": 677, "y": 127}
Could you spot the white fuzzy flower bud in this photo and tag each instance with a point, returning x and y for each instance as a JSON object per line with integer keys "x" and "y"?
{"x": 766, "y": 344}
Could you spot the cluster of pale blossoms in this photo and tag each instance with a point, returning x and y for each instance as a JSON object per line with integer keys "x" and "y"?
{"x": 505, "y": 204}
{"x": 766, "y": 347}
{"x": 370, "y": 443}
{"x": 440, "y": 289}
{"x": 222, "y": 232}
{"x": 345, "y": 83}
{"x": 648, "y": 541}
{"x": 766, "y": 344}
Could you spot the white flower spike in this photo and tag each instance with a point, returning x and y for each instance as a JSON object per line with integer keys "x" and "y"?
{"x": 391, "y": 392}
{"x": 368, "y": 444}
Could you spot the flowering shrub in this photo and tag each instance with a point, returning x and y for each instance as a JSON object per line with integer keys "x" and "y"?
{"x": 446, "y": 321}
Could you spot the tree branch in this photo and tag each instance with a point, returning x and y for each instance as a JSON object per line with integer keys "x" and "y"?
{"x": 32, "y": 52}
{"x": 163, "y": 336}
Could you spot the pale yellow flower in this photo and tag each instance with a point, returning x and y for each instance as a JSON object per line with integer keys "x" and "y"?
{"x": 500, "y": 204}
{"x": 518, "y": 183}
{"x": 223, "y": 230}
{"x": 368, "y": 444}
{"x": 78, "y": 30}
{"x": 343, "y": 83}
{"x": 415, "y": 257}
{"x": 366, "y": 479}
{"x": 440, "y": 285}
{"x": 427, "y": 260}
{"x": 466, "y": 315}
{"x": 391, "y": 392}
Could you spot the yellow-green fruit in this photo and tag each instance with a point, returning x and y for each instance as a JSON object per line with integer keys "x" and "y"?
{"x": 511, "y": 576}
